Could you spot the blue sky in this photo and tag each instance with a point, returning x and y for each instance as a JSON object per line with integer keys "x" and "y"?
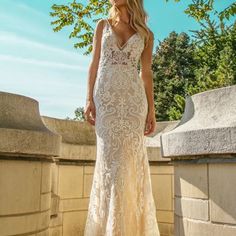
{"x": 41, "y": 64}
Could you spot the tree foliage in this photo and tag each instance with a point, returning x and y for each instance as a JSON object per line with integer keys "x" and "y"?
{"x": 77, "y": 15}
{"x": 214, "y": 54}
{"x": 173, "y": 67}
{"x": 199, "y": 9}
{"x": 215, "y": 50}
{"x": 79, "y": 114}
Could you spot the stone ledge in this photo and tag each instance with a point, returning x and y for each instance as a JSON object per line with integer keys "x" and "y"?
{"x": 72, "y": 132}
{"x": 29, "y": 143}
{"x": 22, "y": 131}
{"x": 208, "y": 125}
{"x": 153, "y": 143}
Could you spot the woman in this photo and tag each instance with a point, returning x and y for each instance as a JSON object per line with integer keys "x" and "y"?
{"x": 121, "y": 106}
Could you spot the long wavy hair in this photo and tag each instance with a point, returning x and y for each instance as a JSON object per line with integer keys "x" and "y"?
{"x": 138, "y": 17}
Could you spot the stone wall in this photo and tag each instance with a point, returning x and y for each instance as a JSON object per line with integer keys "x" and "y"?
{"x": 203, "y": 150}
{"x": 26, "y": 150}
{"x": 46, "y": 171}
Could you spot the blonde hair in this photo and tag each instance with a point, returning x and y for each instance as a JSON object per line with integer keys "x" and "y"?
{"x": 138, "y": 17}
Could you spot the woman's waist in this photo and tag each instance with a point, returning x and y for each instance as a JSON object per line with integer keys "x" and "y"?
{"x": 118, "y": 66}
{"x": 117, "y": 70}
{"x": 119, "y": 79}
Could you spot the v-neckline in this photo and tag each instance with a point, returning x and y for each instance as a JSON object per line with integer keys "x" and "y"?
{"x": 117, "y": 42}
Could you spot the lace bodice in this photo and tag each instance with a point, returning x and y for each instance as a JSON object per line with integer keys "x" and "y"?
{"x": 112, "y": 53}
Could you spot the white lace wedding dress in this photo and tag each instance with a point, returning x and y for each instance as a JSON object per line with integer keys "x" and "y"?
{"x": 121, "y": 199}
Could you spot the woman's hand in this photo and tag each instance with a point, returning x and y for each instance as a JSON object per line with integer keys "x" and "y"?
{"x": 150, "y": 123}
{"x": 90, "y": 112}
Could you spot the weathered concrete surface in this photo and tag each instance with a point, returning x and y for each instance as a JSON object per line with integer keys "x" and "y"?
{"x": 27, "y": 148}
{"x": 78, "y": 138}
{"x": 22, "y": 131}
{"x": 72, "y": 132}
{"x": 203, "y": 150}
{"x": 208, "y": 125}
{"x": 153, "y": 143}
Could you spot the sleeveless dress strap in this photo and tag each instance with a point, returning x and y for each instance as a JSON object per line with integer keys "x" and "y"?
{"x": 107, "y": 23}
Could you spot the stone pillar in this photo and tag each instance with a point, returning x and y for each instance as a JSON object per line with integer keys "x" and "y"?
{"x": 26, "y": 151}
{"x": 203, "y": 149}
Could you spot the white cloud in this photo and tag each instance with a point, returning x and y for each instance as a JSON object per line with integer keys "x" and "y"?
{"x": 30, "y": 9}
{"x": 11, "y": 38}
{"x": 41, "y": 63}
{"x": 38, "y": 53}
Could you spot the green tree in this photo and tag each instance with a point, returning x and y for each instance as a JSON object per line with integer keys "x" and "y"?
{"x": 215, "y": 47}
{"x": 215, "y": 51}
{"x": 173, "y": 72}
{"x": 199, "y": 10}
{"x": 77, "y": 15}
{"x": 79, "y": 114}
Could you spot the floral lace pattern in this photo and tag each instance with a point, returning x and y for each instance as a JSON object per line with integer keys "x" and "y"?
{"x": 121, "y": 199}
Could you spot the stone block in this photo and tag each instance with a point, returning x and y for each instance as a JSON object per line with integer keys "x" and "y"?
{"x": 88, "y": 180}
{"x": 165, "y": 216}
{"x": 46, "y": 177}
{"x": 78, "y": 152}
{"x": 166, "y": 229}
{"x": 89, "y": 169}
{"x": 222, "y": 191}
{"x": 192, "y": 208}
{"x": 191, "y": 180}
{"x": 54, "y": 179}
{"x": 56, "y": 231}
{"x": 73, "y": 204}
{"x": 70, "y": 181}
{"x": 161, "y": 188}
{"x": 45, "y": 202}
{"x": 54, "y": 207}
{"x": 20, "y": 186}
{"x": 74, "y": 222}
{"x": 162, "y": 169}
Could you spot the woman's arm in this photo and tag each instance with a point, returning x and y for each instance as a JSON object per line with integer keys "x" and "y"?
{"x": 93, "y": 67}
{"x": 146, "y": 72}
{"x": 92, "y": 74}
{"x": 147, "y": 76}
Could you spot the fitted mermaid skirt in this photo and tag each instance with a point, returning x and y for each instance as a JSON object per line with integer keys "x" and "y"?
{"x": 121, "y": 199}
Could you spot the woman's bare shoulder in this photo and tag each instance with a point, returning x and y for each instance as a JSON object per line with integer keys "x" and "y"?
{"x": 151, "y": 34}
{"x": 99, "y": 26}
{"x": 100, "y": 23}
